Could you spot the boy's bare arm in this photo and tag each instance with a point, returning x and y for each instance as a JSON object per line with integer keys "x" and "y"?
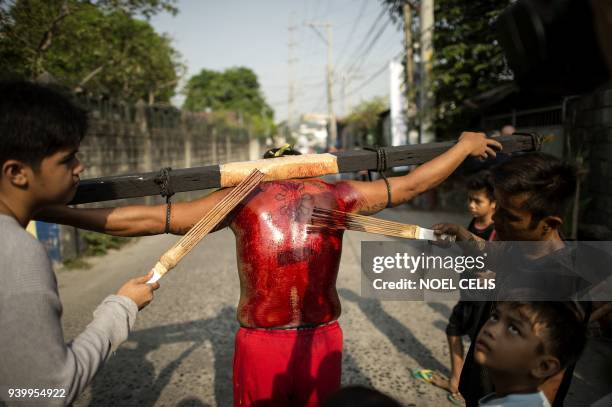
{"x": 424, "y": 177}
{"x": 135, "y": 220}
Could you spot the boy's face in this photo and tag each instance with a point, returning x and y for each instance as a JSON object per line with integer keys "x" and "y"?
{"x": 514, "y": 223}
{"x": 509, "y": 342}
{"x": 56, "y": 181}
{"x": 479, "y": 203}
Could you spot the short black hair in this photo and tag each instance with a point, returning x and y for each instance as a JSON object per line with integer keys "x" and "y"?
{"x": 482, "y": 180}
{"x": 286, "y": 150}
{"x": 37, "y": 121}
{"x": 564, "y": 327}
{"x": 550, "y": 183}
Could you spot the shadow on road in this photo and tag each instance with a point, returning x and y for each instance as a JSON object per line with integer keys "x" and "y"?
{"x": 352, "y": 373}
{"x": 441, "y": 325}
{"x": 401, "y": 337}
{"x": 129, "y": 378}
{"x": 441, "y": 309}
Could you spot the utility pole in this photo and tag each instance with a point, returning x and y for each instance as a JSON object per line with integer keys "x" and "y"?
{"x": 346, "y": 80}
{"x": 332, "y": 136}
{"x": 290, "y": 61}
{"x": 426, "y": 108}
{"x": 330, "y": 94}
{"x": 409, "y": 71}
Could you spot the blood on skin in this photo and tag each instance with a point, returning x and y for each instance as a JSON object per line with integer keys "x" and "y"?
{"x": 287, "y": 273}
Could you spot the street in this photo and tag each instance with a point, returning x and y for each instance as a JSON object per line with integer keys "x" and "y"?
{"x": 180, "y": 352}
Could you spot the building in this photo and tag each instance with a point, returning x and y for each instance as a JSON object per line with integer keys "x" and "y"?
{"x": 311, "y": 133}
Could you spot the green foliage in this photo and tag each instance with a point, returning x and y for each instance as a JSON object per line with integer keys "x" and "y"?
{"x": 99, "y": 244}
{"x": 98, "y": 46}
{"x": 147, "y": 8}
{"x": 364, "y": 116}
{"x": 364, "y": 121}
{"x": 467, "y": 57}
{"x": 236, "y": 90}
{"x": 75, "y": 263}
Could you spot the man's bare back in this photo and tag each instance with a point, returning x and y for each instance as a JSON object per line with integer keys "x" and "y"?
{"x": 288, "y": 273}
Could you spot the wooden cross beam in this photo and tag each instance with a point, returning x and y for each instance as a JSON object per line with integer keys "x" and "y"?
{"x": 215, "y": 176}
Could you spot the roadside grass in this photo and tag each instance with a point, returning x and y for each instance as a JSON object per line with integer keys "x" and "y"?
{"x": 97, "y": 244}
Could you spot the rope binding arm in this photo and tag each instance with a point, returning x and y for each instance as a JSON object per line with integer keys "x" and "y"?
{"x": 381, "y": 167}
{"x": 163, "y": 180}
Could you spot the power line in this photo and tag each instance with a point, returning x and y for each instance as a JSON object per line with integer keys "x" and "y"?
{"x": 303, "y": 100}
{"x": 373, "y": 76}
{"x": 367, "y": 36}
{"x": 348, "y": 38}
{"x": 328, "y": 40}
{"x": 319, "y": 104}
{"x": 309, "y": 41}
{"x": 297, "y": 84}
{"x": 290, "y": 68}
{"x": 358, "y": 63}
{"x": 334, "y": 11}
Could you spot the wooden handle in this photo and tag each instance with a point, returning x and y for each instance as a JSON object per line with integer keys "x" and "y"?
{"x": 168, "y": 261}
{"x": 160, "y": 269}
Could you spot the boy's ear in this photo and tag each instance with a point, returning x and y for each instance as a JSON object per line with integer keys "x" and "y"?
{"x": 15, "y": 172}
{"x": 545, "y": 366}
{"x": 553, "y": 222}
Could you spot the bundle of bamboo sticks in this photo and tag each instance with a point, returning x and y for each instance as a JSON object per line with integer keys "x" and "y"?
{"x": 173, "y": 256}
{"x": 334, "y": 219}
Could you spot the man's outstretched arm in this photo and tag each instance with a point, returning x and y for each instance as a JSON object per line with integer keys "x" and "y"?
{"x": 135, "y": 220}
{"x": 373, "y": 195}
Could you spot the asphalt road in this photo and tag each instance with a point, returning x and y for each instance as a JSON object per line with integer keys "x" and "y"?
{"x": 180, "y": 352}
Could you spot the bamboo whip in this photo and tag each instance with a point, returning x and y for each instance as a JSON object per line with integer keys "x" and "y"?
{"x": 334, "y": 219}
{"x": 173, "y": 256}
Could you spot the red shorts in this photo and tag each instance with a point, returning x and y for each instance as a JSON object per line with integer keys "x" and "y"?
{"x": 281, "y": 367}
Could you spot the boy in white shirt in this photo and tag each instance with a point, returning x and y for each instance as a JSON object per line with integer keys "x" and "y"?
{"x": 522, "y": 344}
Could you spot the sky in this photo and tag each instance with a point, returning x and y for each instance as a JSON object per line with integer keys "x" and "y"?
{"x": 217, "y": 35}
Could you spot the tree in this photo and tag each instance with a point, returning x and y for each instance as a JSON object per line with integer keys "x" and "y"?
{"x": 364, "y": 120}
{"x": 135, "y": 62}
{"x": 235, "y": 89}
{"x": 96, "y": 45}
{"x": 467, "y": 57}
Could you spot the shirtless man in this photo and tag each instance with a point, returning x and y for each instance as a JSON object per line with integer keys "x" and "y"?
{"x": 289, "y": 347}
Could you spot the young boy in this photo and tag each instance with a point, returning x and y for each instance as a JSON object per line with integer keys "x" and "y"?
{"x": 532, "y": 193}
{"x": 522, "y": 344}
{"x": 481, "y": 204}
{"x": 463, "y": 319}
{"x": 40, "y": 132}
